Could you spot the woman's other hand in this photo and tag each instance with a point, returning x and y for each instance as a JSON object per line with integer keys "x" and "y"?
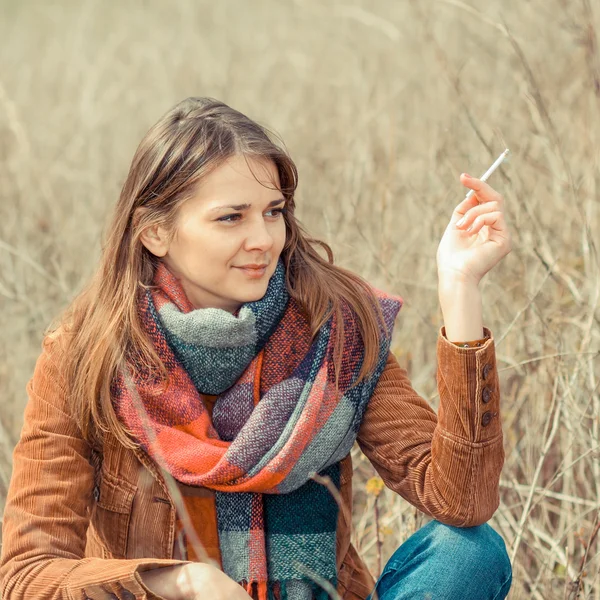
{"x": 476, "y": 238}
{"x": 193, "y": 581}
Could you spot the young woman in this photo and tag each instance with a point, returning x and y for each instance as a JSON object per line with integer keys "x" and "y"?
{"x": 190, "y": 420}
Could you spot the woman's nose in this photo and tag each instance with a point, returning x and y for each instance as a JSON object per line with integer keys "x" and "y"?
{"x": 259, "y": 237}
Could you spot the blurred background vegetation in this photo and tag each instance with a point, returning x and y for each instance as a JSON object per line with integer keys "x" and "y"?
{"x": 382, "y": 104}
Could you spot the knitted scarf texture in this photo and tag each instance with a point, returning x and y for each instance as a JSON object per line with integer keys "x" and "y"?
{"x": 277, "y": 421}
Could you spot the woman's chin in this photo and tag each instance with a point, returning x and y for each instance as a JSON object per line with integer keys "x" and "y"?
{"x": 251, "y": 295}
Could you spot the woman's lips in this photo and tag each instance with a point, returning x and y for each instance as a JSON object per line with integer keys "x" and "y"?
{"x": 253, "y": 272}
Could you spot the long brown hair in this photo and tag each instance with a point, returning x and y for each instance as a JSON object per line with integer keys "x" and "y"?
{"x": 102, "y": 323}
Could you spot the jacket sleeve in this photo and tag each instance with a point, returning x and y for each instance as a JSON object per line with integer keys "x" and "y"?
{"x": 448, "y": 465}
{"x": 47, "y": 509}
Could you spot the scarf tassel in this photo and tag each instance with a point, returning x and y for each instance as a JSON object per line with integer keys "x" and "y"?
{"x": 259, "y": 590}
{"x": 263, "y": 590}
{"x": 279, "y": 591}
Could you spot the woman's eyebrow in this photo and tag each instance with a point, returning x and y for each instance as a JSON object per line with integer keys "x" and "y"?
{"x": 246, "y": 206}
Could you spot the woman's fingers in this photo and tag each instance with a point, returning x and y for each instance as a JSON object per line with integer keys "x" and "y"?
{"x": 484, "y": 194}
{"x": 461, "y": 210}
{"x": 483, "y": 191}
{"x": 494, "y": 220}
{"x": 470, "y": 215}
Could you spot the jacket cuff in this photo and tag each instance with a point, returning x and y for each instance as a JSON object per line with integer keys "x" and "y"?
{"x": 469, "y": 390}
{"x": 97, "y": 579}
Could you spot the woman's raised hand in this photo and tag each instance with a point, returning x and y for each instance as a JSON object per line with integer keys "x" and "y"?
{"x": 476, "y": 238}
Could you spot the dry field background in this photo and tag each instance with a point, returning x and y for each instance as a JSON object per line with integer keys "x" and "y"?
{"x": 382, "y": 104}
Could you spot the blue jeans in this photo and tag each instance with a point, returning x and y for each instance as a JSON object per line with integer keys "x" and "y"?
{"x": 439, "y": 562}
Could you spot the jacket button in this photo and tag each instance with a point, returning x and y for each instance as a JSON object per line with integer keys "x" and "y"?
{"x": 486, "y": 395}
{"x": 486, "y": 370}
{"x": 486, "y": 418}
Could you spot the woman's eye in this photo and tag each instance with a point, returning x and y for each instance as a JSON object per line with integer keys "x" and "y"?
{"x": 230, "y": 218}
{"x": 273, "y": 213}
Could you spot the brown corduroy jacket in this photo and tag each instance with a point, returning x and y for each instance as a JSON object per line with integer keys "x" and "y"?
{"x": 72, "y": 531}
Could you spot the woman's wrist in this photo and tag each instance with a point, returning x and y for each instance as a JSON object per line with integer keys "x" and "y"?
{"x": 462, "y": 309}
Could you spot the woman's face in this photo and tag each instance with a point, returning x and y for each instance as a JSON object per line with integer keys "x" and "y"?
{"x": 228, "y": 237}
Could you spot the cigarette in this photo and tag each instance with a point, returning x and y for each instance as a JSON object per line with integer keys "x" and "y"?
{"x": 487, "y": 174}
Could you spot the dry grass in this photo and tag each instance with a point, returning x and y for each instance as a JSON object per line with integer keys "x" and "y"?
{"x": 382, "y": 104}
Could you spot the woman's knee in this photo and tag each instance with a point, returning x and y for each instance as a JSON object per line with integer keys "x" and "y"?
{"x": 472, "y": 547}
{"x": 451, "y": 562}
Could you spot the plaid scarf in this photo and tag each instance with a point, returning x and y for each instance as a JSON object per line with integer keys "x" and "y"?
{"x": 278, "y": 420}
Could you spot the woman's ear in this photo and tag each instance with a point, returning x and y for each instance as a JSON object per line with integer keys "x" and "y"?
{"x": 156, "y": 240}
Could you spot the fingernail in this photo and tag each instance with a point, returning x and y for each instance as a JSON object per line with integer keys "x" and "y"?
{"x": 461, "y": 222}
{"x": 467, "y": 175}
